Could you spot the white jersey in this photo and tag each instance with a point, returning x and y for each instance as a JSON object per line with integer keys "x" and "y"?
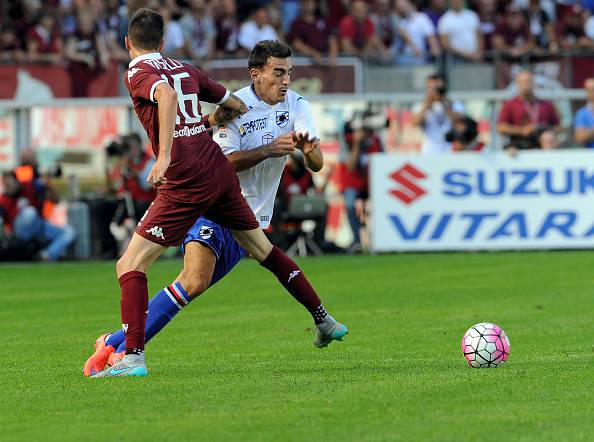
{"x": 259, "y": 126}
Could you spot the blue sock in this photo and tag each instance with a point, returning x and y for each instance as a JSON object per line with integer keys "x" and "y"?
{"x": 161, "y": 309}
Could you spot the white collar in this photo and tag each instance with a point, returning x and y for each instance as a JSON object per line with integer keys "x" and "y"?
{"x": 151, "y": 56}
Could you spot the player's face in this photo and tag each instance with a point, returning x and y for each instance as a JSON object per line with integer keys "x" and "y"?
{"x": 273, "y": 79}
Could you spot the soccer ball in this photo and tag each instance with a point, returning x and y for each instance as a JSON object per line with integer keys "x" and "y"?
{"x": 485, "y": 345}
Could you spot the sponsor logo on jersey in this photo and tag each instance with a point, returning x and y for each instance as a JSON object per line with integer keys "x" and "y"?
{"x": 282, "y": 118}
{"x": 206, "y": 232}
{"x": 132, "y": 71}
{"x": 187, "y": 131}
{"x": 267, "y": 138}
{"x": 252, "y": 126}
{"x": 156, "y": 231}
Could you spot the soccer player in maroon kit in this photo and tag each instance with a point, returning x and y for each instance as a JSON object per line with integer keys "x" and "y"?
{"x": 194, "y": 178}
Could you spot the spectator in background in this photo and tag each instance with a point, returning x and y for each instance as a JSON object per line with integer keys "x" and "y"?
{"x": 435, "y": 10}
{"x": 227, "y": 30}
{"x": 541, "y": 27}
{"x": 295, "y": 180}
{"x": 43, "y": 40}
{"x": 335, "y": 11}
{"x": 571, "y": 33}
{"x": 512, "y": 35}
{"x": 112, "y": 25}
{"x": 199, "y": 32}
{"x": 525, "y": 117}
{"x": 361, "y": 143}
{"x": 358, "y": 35}
{"x": 21, "y": 206}
{"x": 549, "y": 140}
{"x": 85, "y": 49}
{"x": 421, "y": 33}
{"x": 584, "y": 118}
{"x": 126, "y": 177}
{"x": 387, "y": 26}
{"x": 464, "y": 135}
{"x": 11, "y": 49}
{"x": 174, "y": 42}
{"x": 435, "y": 115}
{"x": 310, "y": 35}
{"x": 460, "y": 33}
{"x": 290, "y": 10}
{"x": 487, "y": 12}
{"x": 258, "y": 28}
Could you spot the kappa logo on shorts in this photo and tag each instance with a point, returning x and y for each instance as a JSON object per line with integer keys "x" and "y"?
{"x": 156, "y": 231}
{"x": 206, "y": 232}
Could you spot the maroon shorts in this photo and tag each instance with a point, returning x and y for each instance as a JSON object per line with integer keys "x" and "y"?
{"x": 168, "y": 219}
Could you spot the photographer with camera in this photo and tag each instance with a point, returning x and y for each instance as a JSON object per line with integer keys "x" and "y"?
{"x": 525, "y": 117}
{"x": 21, "y": 207}
{"x": 435, "y": 115}
{"x": 126, "y": 178}
{"x": 362, "y": 141}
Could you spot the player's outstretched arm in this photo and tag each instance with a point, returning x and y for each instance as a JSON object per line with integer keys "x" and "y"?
{"x": 246, "y": 159}
{"x": 166, "y": 98}
{"x": 227, "y": 111}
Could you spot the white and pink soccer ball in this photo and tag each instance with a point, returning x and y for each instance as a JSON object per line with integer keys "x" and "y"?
{"x": 485, "y": 345}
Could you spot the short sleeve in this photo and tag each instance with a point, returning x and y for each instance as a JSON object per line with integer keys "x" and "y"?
{"x": 504, "y": 113}
{"x": 142, "y": 81}
{"x": 210, "y": 90}
{"x": 589, "y": 27}
{"x": 227, "y": 136}
{"x": 345, "y": 30}
{"x": 581, "y": 119}
{"x": 428, "y": 27}
{"x": 476, "y": 22}
{"x": 443, "y": 26}
{"x": 304, "y": 119}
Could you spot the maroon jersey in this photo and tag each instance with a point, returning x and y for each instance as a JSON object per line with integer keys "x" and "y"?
{"x": 193, "y": 151}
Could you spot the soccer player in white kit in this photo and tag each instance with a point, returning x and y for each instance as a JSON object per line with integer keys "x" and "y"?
{"x": 257, "y": 144}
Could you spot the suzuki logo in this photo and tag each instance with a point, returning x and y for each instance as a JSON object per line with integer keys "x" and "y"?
{"x": 406, "y": 177}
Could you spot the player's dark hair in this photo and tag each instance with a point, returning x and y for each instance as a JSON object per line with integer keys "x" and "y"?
{"x": 145, "y": 30}
{"x": 266, "y": 49}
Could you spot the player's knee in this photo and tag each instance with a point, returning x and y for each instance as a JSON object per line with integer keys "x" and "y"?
{"x": 125, "y": 265}
{"x": 195, "y": 286}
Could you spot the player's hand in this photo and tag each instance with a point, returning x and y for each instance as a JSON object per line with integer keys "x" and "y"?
{"x": 302, "y": 142}
{"x": 156, "y": 176}
{"x": 281, "y": 146}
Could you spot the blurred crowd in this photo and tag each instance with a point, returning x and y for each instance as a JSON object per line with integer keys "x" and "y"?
{"x": 89, "y": 34}
{"x": 27, "y": 203}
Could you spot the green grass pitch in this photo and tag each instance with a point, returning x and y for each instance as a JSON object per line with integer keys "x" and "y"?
{"x": 239, "y": 363}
